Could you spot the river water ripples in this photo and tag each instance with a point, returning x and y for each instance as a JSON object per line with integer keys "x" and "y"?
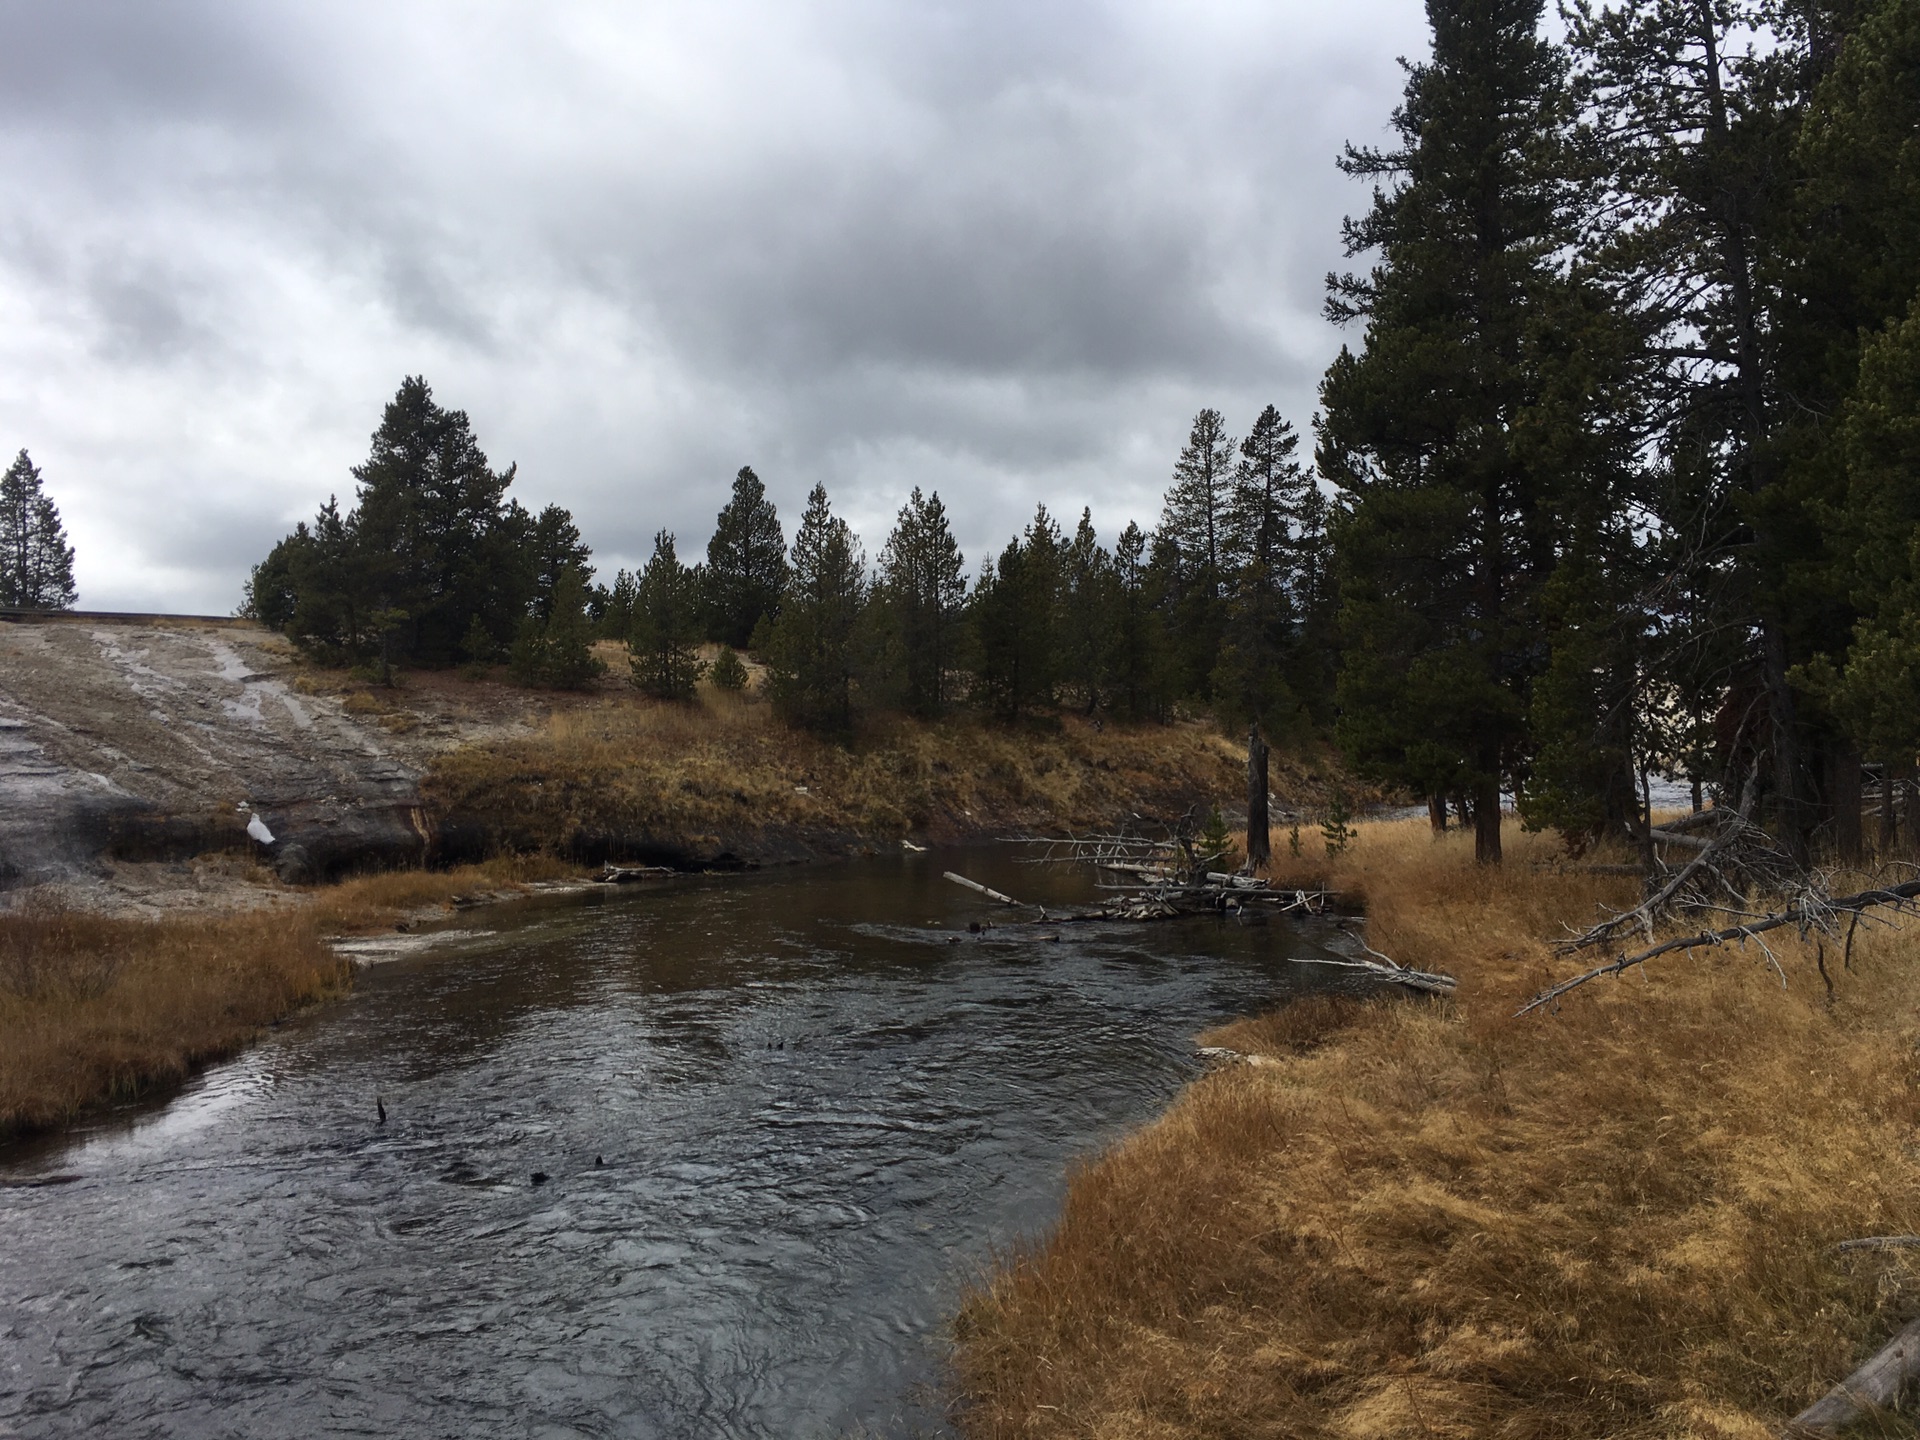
{"x": 781, "y": 1119}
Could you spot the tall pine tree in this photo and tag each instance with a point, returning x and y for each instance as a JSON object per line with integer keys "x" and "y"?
{"x": 1447, "y": 540}
{"x": 1136, "y": 659}
{"x": 919, "y": 598}
{"x": 1085, "y": 615}
{"x": 36, "y": 562}
{"x": 666, "y": 625}
{"x": 1260, "y": 638}
{"x": 428, "y": 505}
{"x": 1694, "y": 106}
{"x": 746, "y": 563}
{"x": 1194, "y": 534}
{"x": 811, "y": 653}
{"x": 1014, "y": 611}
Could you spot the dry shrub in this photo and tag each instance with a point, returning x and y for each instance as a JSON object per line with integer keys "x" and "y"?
{"x": 1439, "y": 1220}
{"x": 93, "y": 1008}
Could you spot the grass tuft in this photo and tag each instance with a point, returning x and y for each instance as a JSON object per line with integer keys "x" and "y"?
{"x": 95, "y": 1009}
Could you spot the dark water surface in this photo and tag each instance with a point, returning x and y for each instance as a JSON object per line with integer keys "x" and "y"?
{"x": 818, "y": 1119}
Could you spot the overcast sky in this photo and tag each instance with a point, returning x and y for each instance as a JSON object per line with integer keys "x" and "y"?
{"x": 999, "y": 250}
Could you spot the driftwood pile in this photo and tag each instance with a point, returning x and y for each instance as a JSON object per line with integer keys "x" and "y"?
{"x": 1165, "y": 879}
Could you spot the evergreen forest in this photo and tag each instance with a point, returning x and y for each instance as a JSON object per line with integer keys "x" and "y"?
{"x": 1616, "y": 476}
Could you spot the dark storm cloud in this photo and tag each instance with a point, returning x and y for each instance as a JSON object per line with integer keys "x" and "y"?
{"x": 1002, "y": 250}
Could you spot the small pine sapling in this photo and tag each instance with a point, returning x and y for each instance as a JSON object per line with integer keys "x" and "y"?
{"x": 1215, "y": 845}
{"x": 1335, "y": 829}
{"x": 728, "y": 673}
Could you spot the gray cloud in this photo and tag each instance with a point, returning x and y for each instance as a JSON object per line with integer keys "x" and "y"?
{"x": 1002, "y": 250}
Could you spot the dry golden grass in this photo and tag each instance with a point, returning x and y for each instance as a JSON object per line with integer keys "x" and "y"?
{"x": 373, "y": 901}
{"x": 1434, "y": 1219}
{"x": 724, "y": 767}
{"x": 95, "y": 1009}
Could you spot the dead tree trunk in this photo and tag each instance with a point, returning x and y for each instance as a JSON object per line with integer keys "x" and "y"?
{"x": 1437, "y": 814}
{"x": 1259, "y": 838}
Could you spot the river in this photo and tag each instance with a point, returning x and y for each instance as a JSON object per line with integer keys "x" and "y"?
{"x": 783, "y": 1119}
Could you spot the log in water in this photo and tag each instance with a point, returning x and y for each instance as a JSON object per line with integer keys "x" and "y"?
{"x": 781, "y": 1120}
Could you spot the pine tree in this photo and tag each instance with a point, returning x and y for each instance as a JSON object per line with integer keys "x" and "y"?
{"x": 666, "y": 625}
{"x": 919, "y": 600}
{"x": 746, "y": 569}
{"x": 1695, "y": 106}
{"x": 1136, "y": 662}
{"x": 570, "y": 661}
{"x": 616, "y": 619}
{"x": 36, "y": 562}
{"x": 811, "y": 655}
{"x": 1874, "y": 686}
{"x": 1316, "y": 599}
{"x": 1087, "y": 596}
{"x": 1852, "y": 256}
{"x": 1014, "y": 612}
{"x": 1448, "y": 537}
{"x": 1195, "y": 528}
{"x": 1259, "y": 638}
{"x": 428, "y": 503}
{"x": 553, "y": 548}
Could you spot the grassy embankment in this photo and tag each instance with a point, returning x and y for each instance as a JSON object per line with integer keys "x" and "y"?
{"x": 95, "y": 1010}
{"x": 723, "y": 773}
{"x": 1435, "y": 1219}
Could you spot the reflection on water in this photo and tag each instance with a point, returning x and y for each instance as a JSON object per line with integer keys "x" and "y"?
{"x": 783, "y": 1119}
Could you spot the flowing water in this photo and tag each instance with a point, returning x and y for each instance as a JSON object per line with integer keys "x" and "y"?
{"x": 783, "y": 1119}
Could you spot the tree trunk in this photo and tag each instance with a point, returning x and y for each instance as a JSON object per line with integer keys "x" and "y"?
{"x": 1783, "y": 741}
{"x": 1259, "y": 838}
{"x": 1486, "y": 821}
{"x": 1843, "y": 795}
{"x": 1437, "y": 814}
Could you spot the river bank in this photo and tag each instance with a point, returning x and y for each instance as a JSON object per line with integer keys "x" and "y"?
{"x": 1617, "y": 1219}
{"x": 97, "y": 1010}
{"x": 205, "y": 788}
{"x": 148, "y": 767}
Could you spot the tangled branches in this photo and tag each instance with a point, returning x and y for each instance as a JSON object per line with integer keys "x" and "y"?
{"x": 1813, "y": 912}
{"x": 1737, "y": 867}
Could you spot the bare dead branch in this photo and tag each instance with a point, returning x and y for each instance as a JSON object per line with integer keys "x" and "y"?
{"x": 1812, "y": 912}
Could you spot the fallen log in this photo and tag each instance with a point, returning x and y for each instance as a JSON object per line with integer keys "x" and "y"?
{"x": 989, "y": 893}
{"x": 1680, "y": 842}
{"x": 625, "y": 874}
{"x": 1698, "y": 820}
{"x": 1876, "y": 1385}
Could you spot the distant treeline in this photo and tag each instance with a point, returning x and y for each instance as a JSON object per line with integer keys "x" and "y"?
{"x": 1227, "y": 605}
